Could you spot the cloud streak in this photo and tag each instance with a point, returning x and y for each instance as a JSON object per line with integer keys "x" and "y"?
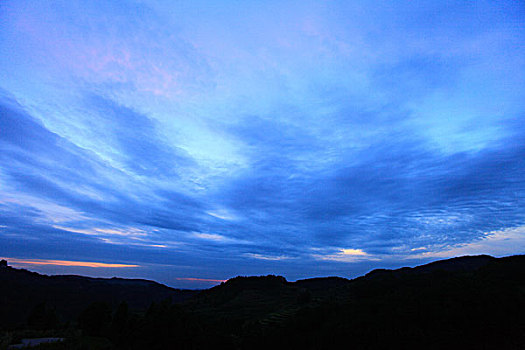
{"x": 24, "y": 262}
{"x": 193, "y": 279}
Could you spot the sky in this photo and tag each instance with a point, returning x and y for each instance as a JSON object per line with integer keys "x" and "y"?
{"x": 189, "y": 142}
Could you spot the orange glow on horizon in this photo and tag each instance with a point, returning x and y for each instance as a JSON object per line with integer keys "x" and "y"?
{"x": 64, "y": 263}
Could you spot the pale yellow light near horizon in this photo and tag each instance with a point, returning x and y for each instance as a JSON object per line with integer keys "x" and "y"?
{"x": 350, "y": 251}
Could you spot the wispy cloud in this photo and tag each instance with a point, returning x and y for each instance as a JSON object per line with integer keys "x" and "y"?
{"x": 23, "y": 262}
{"x": 497, "y": 243}
{"x": 96, "y": 231}
{"x": 267, "y": 257}
{"x": 194, "y": 279}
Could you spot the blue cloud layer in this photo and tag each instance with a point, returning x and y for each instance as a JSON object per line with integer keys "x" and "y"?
{"x": 302, "y": 139}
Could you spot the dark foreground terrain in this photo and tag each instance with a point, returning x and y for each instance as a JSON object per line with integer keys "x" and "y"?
{"x": 474, "y": 302}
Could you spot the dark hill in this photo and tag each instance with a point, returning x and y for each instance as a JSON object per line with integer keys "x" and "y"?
{"x": 459, "y": 264}
{"x": 468, "y": 302}
{"x": 68, "y": 295}
{"x": 473, "y": 302}
{"x": 321, "y": 283}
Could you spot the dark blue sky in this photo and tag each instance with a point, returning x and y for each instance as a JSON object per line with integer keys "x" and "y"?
{"x": 201, "y": 140}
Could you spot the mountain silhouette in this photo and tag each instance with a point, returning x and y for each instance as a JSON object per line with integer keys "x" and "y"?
{"x": 471, "y": 302}
{"x": 68, "y": 295}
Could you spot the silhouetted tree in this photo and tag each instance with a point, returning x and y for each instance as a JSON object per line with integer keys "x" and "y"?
{"x": 304, "y": 296}
{"x": 120, "y": 324}
{"x": 42, "y": 317}
{"x": 95, "y": 319}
